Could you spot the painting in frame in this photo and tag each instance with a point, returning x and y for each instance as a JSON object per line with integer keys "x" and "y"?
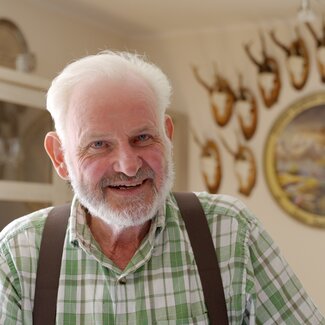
{"x": 294, "y": 160}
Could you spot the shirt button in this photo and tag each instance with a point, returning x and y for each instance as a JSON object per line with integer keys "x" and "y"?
{"x": 122, "y": 280}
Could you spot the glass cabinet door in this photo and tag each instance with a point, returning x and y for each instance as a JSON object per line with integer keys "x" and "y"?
{"x": 22, "y": 131}
{"x": 27, "y": 179}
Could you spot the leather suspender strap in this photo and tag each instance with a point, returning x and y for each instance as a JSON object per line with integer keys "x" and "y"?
{"x": 205, "y": 256}
{"x": 49, "y": 265}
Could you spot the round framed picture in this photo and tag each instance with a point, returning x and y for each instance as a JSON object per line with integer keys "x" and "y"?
{"x": 294, "y": 160}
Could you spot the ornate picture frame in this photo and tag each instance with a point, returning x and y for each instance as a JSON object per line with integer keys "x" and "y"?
{"x": 294, "y": 160}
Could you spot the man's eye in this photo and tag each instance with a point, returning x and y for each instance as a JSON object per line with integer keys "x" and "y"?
{"x": 143, "y": 137}
{"x": 98, "y": 144}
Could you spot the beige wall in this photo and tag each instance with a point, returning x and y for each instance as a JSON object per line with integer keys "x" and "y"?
{"x": 57, "y": 38}
{"x": 301, "y": 245}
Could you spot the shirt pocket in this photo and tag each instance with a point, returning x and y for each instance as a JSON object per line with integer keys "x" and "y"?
{"x": 197, "y": 320}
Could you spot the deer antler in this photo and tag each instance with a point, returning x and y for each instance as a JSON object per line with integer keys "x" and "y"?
{"x": 243, "y": 153}
{"x": 313, "y": 33}
{"x": 227, "y": 147}
{"x": 247, "y": 48}
{"x": 277, "y": 42}
{"x": 263, "y": 44}
{"x": 200, "y": 80}
{"x": 220, "y": 85}
{"x": 241, "y": 89}
{"x": 217, "y": 77}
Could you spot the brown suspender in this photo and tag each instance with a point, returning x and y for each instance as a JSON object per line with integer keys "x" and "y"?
{"x": 49, "y": 263}
{"x": 205, "y": 256}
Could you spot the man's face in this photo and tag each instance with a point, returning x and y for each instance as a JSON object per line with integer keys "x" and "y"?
{"x": 118, "y": 159}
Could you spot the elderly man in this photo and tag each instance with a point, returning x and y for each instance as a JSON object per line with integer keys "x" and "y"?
{"x": 127, "y": 258}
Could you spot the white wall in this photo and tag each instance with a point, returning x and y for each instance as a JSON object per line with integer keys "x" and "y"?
{"x": 302, "y": 245}
{"x": 57, "y": 39}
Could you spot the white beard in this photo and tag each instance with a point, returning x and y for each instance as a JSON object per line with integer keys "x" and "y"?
{"x": 133, "y": 213}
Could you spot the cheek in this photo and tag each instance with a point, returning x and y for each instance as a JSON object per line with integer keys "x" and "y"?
{"x": 156, "y": 160}
{"x": 94, "y": 170}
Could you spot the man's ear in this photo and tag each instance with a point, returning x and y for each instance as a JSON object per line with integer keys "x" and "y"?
{"x": 169, "y": 126}
{"x": 53, "y": 147}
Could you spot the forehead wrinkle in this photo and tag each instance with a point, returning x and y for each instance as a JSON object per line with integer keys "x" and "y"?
{"x": 86, "y": 97}
{"x": 80, "y": 101}
{"x": 89, "y": 135}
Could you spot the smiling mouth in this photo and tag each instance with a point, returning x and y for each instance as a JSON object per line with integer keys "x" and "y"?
{"x": 127, "y": 187}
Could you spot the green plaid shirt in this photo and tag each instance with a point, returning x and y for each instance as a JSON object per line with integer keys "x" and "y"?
{"x": 161, "y": 284}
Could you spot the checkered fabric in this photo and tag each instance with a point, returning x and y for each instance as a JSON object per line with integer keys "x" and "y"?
{"x": 160, "y": 285}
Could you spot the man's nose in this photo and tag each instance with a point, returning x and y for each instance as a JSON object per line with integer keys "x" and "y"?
{"x": 127, "y": 161}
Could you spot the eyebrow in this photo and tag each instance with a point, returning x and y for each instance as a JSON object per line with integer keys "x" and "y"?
{"x": 145, "y": 129}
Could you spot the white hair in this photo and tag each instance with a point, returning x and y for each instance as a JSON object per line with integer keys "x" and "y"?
{"x": 114, "y": 65}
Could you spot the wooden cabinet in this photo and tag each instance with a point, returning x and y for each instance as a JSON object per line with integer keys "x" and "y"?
{"x": 27, "y": 179}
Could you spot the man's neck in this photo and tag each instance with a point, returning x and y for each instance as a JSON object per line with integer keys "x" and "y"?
{"x": 119, "y": 244}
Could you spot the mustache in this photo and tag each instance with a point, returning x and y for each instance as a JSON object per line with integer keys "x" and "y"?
{"x": 115, "y": 179}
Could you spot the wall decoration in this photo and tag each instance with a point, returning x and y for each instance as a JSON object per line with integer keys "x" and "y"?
{"x": 241, "y": 101}
{"x": 221, "y": 97}
{"x": 210, "y": 161}
{"x": 320, "y": 49}
{"x": 246, "y": 109}
{"x": 294, "y": 160}
{"x": 297, "y": 59}
{"x": 244, "y": 166}
{"x": 269, "y": 82}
